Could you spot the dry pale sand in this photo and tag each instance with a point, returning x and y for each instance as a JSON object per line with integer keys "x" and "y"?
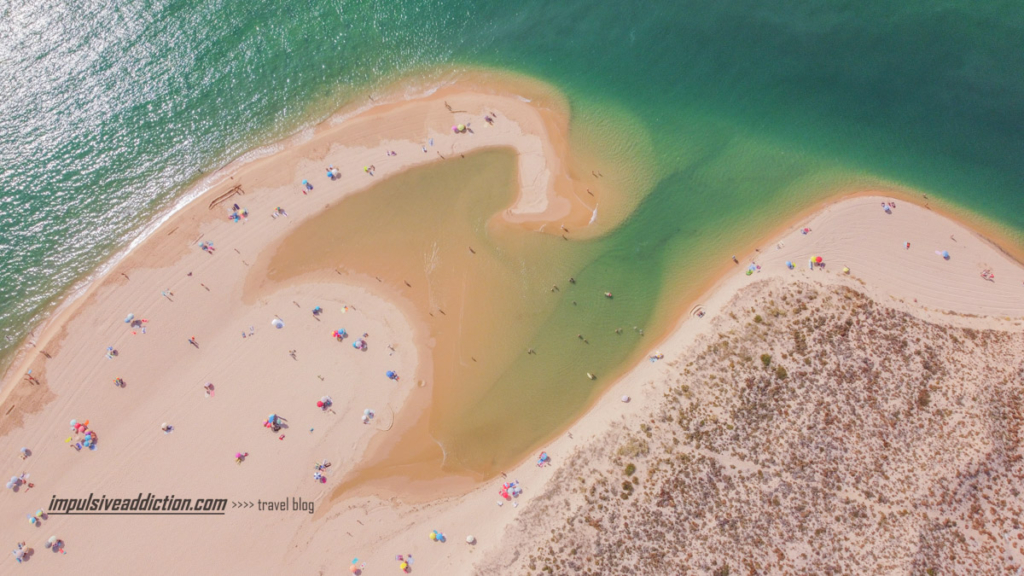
{"x": 256, "y": 376}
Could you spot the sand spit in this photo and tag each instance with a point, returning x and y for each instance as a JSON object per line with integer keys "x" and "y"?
{"x": 139, "y": 349}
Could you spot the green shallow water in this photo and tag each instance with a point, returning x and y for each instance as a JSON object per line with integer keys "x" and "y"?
{"x": 110, "y": 111}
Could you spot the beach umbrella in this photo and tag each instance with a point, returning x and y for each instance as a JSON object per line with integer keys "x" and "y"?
{"x": 52, "y": 540}
{"x": 625, "y": 398}
{"x": 19, "y": 554}
{"x": 470, "y": 539}
{"x": 404, "y": 566}
{"x": 353, "y": 568}
{"x": 789, "y": 264}
{"x": 319, "y": 404}
{"x": 24, "y": 450}
{"x": 74, "y": 423}
{"x": 277, "y": 323}
{"x": 462, "y": 127}
{"x": 433, "y": 535}
{"x": 817, "y": 259}
{"x": 390, "y": 374}
{"x": 129, "y": 318}
{"x": 39, "y": 513}
{"x": 945, "y": 254}
{"x": 846, "y": 270}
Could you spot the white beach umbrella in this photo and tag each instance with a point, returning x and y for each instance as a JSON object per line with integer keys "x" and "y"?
{"x": 277, "y": 323}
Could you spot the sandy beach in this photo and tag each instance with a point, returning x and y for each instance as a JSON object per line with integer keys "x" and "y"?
{"x": 197, "y": 318}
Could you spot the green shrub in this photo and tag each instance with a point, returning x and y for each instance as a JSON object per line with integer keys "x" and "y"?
{"x": 781, "y": 373}
{"x": 630, "y": 469}
{"x": 924, "y": 397}
{"x": 766, "y": 360}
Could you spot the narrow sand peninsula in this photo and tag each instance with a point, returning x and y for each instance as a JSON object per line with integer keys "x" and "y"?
{"x": 200, "y": 355}
{"x": 177, "y": 291}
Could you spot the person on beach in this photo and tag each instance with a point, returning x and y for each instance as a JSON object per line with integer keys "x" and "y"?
{"x": 192, "y": 341}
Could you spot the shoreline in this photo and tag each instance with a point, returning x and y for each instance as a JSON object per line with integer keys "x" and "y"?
{"x": 209, "y": 428}
{"x": 51, "y": 328}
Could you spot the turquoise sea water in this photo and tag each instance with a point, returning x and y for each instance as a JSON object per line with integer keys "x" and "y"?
{"x": 110, "y": 110}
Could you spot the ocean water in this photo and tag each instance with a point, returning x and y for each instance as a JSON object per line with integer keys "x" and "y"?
{"x": 110, "y": 111}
